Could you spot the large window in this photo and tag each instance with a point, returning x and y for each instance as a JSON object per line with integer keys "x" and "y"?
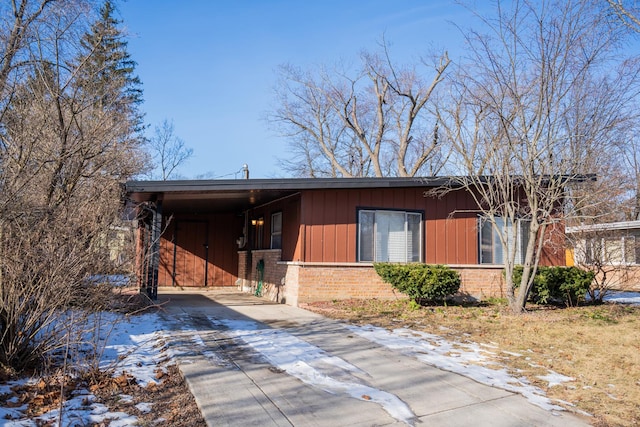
{"x": 614, "y": 250}
{"x": 491, "y": 250}
{"x": 389, "y": 236}
{"x": 276, "y": 230}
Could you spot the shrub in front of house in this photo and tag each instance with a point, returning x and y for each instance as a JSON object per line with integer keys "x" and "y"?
{"x": 421, "y": 282}
{"x": 566, "y": 285}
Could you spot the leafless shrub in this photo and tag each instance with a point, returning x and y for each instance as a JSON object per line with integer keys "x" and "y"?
{"x": 67, "y": 142}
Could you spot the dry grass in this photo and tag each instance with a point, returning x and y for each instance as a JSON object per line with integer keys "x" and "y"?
{"x": 599, "y": 346}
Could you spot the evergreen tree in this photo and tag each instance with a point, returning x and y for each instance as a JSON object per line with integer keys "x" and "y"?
{"x": 109, "y": 72}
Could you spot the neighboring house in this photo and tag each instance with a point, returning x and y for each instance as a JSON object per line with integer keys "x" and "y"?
{"x": 611, "y": 248}
{"x": 302, "y": 240}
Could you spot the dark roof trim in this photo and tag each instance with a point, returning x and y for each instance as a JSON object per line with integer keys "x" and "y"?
{"x": 280, "y": 184}
{"x": 296, "y": 184}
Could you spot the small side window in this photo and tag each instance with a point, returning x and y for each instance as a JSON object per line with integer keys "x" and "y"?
{"x": 276, "y": 230}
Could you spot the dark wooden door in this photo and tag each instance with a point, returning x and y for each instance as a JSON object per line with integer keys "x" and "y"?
{"x": 191, "y": 253}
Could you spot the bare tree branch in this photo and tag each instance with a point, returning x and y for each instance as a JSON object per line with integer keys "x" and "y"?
{"x": 373, "y": 122}
{"x": 533, "y": 110}
{"x": 168, "y": 151}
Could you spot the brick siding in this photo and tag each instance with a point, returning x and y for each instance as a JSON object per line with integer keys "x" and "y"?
{"x": 293, "y": 282}
{"x": 481, "y": 281}
{"x": 273, "y": 274}
{"x": 624, "y": 278}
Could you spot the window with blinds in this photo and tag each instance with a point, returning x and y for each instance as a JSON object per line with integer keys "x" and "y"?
{"x": 491, "y": 250}
{"x": 389, "y": 236}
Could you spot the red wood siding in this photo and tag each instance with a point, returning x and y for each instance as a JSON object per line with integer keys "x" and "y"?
{"x": 329, "y": 223}
{"x": 290, "y": 208}
{"x": 554, "y": 251}
{"x": 185, "y": 238}
{"x": 190, "y": 252}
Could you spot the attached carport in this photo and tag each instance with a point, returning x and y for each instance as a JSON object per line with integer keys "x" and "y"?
{"x": 190, "y": 231}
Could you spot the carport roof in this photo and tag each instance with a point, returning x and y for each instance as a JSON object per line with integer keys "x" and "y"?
{"x": 236, "y": 195}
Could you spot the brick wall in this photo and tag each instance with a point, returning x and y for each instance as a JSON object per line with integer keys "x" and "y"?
{"x": 293, "y": 283}
{"x": 625, "y": 278}
{"x": 480, "y": 281}
{"x": 322, "y": 282}
{"x": 273, "y": 273}
{"x": 243, "y": 270}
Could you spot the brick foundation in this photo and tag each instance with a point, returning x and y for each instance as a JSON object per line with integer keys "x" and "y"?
{"x": 481, "y": 281}
{"x": 624, "y": 278}
{"x": 293, "y": 282}
{"x": 322, "y": 282}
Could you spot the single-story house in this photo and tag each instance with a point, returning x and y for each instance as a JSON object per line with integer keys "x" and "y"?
{"x": 303, "y": 240}
{"x": 609, "y": 248}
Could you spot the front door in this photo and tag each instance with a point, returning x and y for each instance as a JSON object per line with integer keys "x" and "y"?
{"x": 190, "y": 253}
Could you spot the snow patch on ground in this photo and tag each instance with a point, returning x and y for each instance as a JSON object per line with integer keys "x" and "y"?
{"x": 554, "y": 378}
{"x": 470, "y": 360}
{"x": 132, "y": 345}
{"x": 623, "y": 297}
{"x": 314, "y": 366}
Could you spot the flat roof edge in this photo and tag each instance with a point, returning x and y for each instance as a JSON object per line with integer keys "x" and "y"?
{"x": 282, "y": 184}
{"x": 621, "y": 225}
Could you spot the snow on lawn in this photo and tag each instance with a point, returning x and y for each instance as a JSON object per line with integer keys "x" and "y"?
{"x": 131, "y": 345}
{"x": 621, "y": 297}
{"x": 470, "y": 360}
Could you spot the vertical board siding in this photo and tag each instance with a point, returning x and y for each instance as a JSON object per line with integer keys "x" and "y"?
{"x": 330, "y": 208}
{"x": 187, "y": 236}
{"x": 329, "y": 223}
{"x": 316, "y": 234}
{"x": 342, "y": 221}
{"x": 290, "y": 209}
{"x": 290, "y": 229}
{"x": 553, "y": 253}
{"x": 190, "y": 238}
{"x": 165, "y": 268}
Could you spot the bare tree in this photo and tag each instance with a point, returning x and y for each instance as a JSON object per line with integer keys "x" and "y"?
{"x": 168, "y": 151}
{"x": 67, "y": 142}
{"x": 21, "y": 17}
{"x": 630, "y": 179}
{"x": 533, "y": 112}
{"x": 372, "y": 122}
{"x": 628, "y": 13}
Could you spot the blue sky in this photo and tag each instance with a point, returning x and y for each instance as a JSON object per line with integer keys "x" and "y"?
{"x": 210, "y": 66}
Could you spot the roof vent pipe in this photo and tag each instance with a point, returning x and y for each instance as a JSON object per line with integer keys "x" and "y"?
{"x": 245, "y": 171}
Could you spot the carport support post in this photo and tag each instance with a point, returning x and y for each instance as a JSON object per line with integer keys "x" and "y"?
{"x": 154, "y": 262}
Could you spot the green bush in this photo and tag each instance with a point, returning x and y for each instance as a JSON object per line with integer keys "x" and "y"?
{"x": 567, "y": 285}
{"x": 421, "y": 282}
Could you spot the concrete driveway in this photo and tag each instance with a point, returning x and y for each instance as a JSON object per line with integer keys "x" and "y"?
{"x": 354, "y": 382}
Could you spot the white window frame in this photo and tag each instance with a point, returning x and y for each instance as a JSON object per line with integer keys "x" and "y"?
{"x": 601, "y": 249}
{"x": 382, "y": 243}
{"x": 488, "y": 238}
{"x": 276, "y": 230}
